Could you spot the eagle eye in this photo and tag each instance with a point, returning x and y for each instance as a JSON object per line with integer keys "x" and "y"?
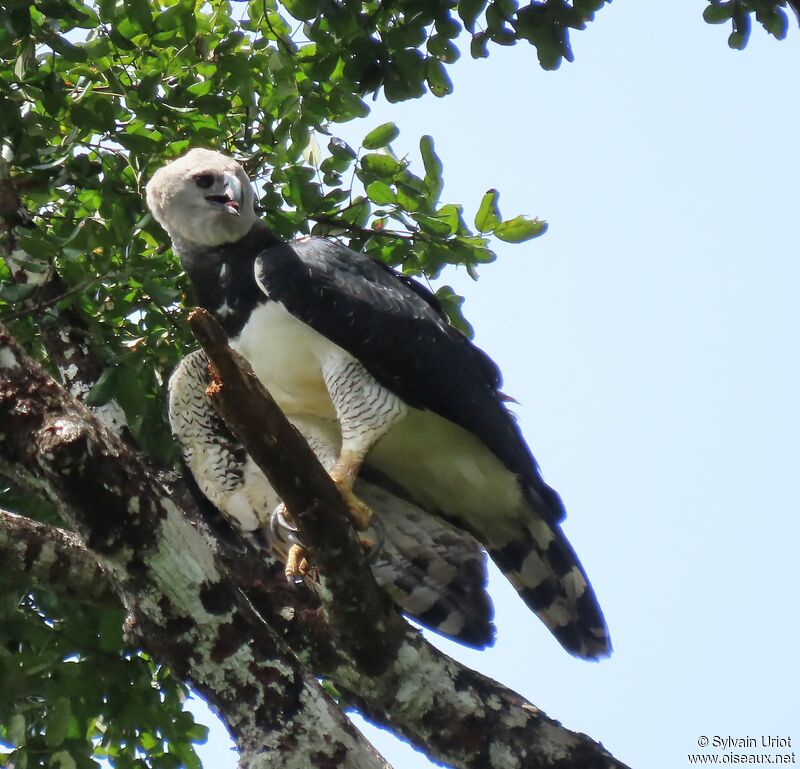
{"x": 204, "y": 181}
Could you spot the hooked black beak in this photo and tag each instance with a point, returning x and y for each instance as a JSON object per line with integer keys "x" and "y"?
{"x": 233, "y": 194}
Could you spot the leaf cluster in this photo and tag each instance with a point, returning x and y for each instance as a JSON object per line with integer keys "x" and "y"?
{"x": 96, "y": 96}
{"x": 739, "y": 13}
{"x": 71, "y": 693}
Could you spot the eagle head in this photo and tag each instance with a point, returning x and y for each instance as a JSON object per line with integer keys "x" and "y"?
{"x": 203, "y": 197}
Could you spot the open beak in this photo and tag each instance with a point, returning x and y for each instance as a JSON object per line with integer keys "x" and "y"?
{"x": 232, "y": 196}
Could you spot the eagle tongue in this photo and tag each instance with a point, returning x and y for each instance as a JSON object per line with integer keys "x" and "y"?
{"x": 230, "y": 204}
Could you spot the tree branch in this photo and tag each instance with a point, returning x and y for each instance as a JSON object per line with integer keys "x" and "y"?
{"x": 456, "y": 715}
{"x": 187, "y": 611}
{"x": 35, "y": 555}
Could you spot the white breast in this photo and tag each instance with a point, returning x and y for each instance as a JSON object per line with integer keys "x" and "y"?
{"x": 442, "y": 465}
{"x": 285, "y": 354}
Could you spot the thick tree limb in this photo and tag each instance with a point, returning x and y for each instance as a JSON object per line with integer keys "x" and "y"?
{"x": 453, "y": 713}
{"x": 35, "y": 555}
{"x": 187, "y": 611}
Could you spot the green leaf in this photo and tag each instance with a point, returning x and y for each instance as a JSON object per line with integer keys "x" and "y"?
{"x": 57, "y": 724}
{"x": 436, "y": 227}
{"x": 442, "y": 49}
{"x": 488, "y": 216}
{"x": 448, "y": 27}
{"x": 378, "y": 164}
{"x": 103, "y": 390}
{"x": 738, "y": 39}
{"x": 121, "y": 41}
{"x": 17, "y": 292}
{"x": 437, "y": 78}
{"x": 520, "y": 229}
{"x": 381, "y": 193}
{"x": 409, "y": 198}
{"x": 357, "y": 212}
{"x": 170, "y": 19}
{"x": 352, "y": 107}
{"x": 452, "y": 215}
{"x": 139, "y": 11}
{"x": 212, "y": 104}
{"x": 63, "y": 46}
{"x": 479, "y": 46}
{"x": 433, "y": 167}
{"x": 469, "y": 10}
{"x": 303, "y": 10}
{"x": 741, "y": 29}
{"x": 718, "y": 13}
{"x": 197, "y": 733}
{"x": 381, "y": 136}
{"x": 776, "y": 23}
{"x": 451, "y": 303}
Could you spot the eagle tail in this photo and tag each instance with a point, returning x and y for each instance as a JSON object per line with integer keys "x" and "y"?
{"x": 546, "y": 572}
{"x": 453, "y": 608}
{"x": 434, "y": 572}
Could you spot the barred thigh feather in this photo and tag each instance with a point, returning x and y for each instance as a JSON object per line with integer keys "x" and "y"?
{"x": 435, "y": 573}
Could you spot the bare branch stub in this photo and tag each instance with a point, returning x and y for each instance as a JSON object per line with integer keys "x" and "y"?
{"x": 366, "y": 624}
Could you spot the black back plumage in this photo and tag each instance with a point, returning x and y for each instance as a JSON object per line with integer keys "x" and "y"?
{"x": 394, "y": 327}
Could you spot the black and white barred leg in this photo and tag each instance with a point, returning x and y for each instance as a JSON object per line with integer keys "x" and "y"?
{"x": 366, "y": 411}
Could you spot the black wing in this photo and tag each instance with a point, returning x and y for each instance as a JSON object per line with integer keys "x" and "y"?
{"x": 396, "y": 329}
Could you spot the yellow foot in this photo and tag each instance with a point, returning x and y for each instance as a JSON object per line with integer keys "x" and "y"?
{"x": 370, "y": 545}
{"x": 359, "y": 512}
{"x": 296, "y": 564}
{"x": 344, "y": 476}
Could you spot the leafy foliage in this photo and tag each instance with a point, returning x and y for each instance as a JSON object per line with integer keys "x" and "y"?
{"x": 71, "y": 692}
{"x": 98, "y": 95}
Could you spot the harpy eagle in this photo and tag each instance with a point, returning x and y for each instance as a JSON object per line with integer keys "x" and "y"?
{"x": 434, "y": 572}
{"x": 334, "y": 335}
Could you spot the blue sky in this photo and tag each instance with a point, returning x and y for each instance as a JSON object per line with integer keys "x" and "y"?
{"x": 651, "y": 339}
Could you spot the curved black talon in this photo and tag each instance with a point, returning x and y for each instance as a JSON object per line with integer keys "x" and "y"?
{"x": 281, "y": 529}
{"x": 380, "y": 539}
{"x": 284, "y": 532}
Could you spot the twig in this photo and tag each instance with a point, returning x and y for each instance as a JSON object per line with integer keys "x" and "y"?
{"x": 394, "y": 234}
{"x": 82, "y": 286}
